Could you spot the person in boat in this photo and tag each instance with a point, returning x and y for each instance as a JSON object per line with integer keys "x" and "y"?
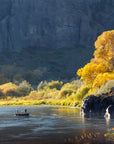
{"x": 17, "y": 111}
{"x": 22, "y": 112}
{"x": 25, "y": 110}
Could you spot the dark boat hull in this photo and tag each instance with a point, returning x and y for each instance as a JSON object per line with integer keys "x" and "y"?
{"x": 22, "y": 114}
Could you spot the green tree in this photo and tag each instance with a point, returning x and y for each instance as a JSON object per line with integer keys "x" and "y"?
{"x": 24, "y": 88}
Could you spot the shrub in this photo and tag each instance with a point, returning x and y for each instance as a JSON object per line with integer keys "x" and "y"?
{"x": 55, "y": 84}
{"x": 8, "y": 87}
{"x": 50, "y": 85}
{"x": 41, "y": 85}
{"x": 33, "y": 94}
{"x": 24, "y": 88}
{"x": 1, "y": 93}
{"x": 50, "y": 94}
{"x": 74, "y": 85}
{"x": 36, "y": 95}
{"x": 82, "y": 92}
{"x": 65, "y": 93}
{"x": 104, "y": 88}
{"x": 12, "y": 93}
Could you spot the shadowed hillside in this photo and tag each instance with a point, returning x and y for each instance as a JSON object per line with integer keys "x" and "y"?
{"x": 49, "y": 39}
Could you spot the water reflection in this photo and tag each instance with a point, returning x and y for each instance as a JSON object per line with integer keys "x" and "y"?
{"x": 94, "y": 118}
{"x": 51, "y": 125}
{"x": 107, "y": 121}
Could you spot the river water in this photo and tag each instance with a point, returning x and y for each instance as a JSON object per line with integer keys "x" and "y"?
{"x": 51, "y": 125}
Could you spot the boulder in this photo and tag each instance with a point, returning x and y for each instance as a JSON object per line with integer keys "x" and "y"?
{"x": 90, "y": 105}
{"x": 112, "y": 90}
{"x": 96, "y": 105}
{"x": 105, "y": 101}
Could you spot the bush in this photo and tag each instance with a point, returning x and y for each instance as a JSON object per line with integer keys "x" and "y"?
{"x": 24, "y": 88}
{"x": 50, "y": 85}
{"x": 65, "y": 93}
{"x": 55, "y": 84}
{"x": 1, "y": 93}
{"x": 82, "y": 92}
{"x": 8, "y": 87}
{"x": 36, "y": 95}
{"x": 12, "y": 93}
{"x": 104, "y": 88}
{"x": 42, "y": 85}
{"x": 50, "y": 94}
{"x": 74, "y": 85}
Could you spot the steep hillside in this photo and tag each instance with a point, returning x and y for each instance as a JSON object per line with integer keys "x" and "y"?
{"x": 55, "y": 36}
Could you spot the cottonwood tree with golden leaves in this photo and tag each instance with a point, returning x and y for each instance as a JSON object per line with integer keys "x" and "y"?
{"x": 101, "y": 67}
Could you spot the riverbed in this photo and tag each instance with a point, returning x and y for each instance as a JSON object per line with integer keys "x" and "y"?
{"x": 51, "y": 125}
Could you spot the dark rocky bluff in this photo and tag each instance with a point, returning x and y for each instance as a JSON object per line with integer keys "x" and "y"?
{"x": 99, "y": 105}
{"x": 66, "y": 29}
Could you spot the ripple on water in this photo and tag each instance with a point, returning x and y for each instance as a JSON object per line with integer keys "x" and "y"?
{"x": 50, "y": 124}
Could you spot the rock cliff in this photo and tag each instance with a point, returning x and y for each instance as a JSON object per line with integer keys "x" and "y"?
{"x": 54, "y": 24}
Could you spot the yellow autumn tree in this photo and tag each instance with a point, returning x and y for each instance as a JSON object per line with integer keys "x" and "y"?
{"x": 101, "y": 79}
{"x": 101, "y": 67}
{"x": 105, "y": 49}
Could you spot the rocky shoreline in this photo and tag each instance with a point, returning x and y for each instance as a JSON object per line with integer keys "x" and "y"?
{"x": 102, "y": 105}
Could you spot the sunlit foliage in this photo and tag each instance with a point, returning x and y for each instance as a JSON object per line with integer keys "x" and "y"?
{"x": 105, "y": 88}
{"x": 102, "y": 79}
{"x": 8, "y": 87}
{"x": 50, "y": 85}
{"x": 110, "y": 134}
{"x": 96, "y": 77}
{"x": 101, "y": 67}
{"x": 42, "y": 85}
{"x": 57, "y": 93}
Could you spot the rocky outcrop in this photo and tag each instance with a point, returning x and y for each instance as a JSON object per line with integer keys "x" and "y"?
{"x": 112, "y": 90}
{"x": 90, "y": 105}
{"x": 96, "y": 105}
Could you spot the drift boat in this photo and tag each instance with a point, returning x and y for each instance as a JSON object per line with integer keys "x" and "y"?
{"x": 25, "y": 113}
{"x": 22, "y": 114}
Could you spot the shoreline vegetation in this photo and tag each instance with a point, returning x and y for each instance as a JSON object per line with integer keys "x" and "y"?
{"x": 96, "y": 77}
{"x": 69, "y": 94}
{"x": 49, "y": 93}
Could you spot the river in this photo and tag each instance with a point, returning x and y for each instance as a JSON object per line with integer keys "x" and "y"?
{"x": 51, "y": 125}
